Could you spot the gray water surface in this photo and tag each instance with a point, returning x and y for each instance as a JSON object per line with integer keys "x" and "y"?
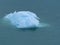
{"x": 47, "y": 10}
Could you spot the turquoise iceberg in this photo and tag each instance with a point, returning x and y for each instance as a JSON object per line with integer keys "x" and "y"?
{"x": 23, "y": 19}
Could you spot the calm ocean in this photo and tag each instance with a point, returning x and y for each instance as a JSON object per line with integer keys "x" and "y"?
{"x": 47, "y": 10}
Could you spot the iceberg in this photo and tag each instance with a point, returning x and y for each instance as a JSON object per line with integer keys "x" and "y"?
{"x": 23, "y": 19}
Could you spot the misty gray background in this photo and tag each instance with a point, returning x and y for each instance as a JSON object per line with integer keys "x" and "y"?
{"x": 47, "y": 10}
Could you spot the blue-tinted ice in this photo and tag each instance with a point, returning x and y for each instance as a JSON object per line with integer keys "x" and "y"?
{"x": 23, "y": 19}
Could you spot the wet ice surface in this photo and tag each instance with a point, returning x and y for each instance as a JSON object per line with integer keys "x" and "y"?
{"x": 23, "y": 19}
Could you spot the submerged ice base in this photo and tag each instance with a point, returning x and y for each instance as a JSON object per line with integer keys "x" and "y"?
{"x": 23, "y": 19}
